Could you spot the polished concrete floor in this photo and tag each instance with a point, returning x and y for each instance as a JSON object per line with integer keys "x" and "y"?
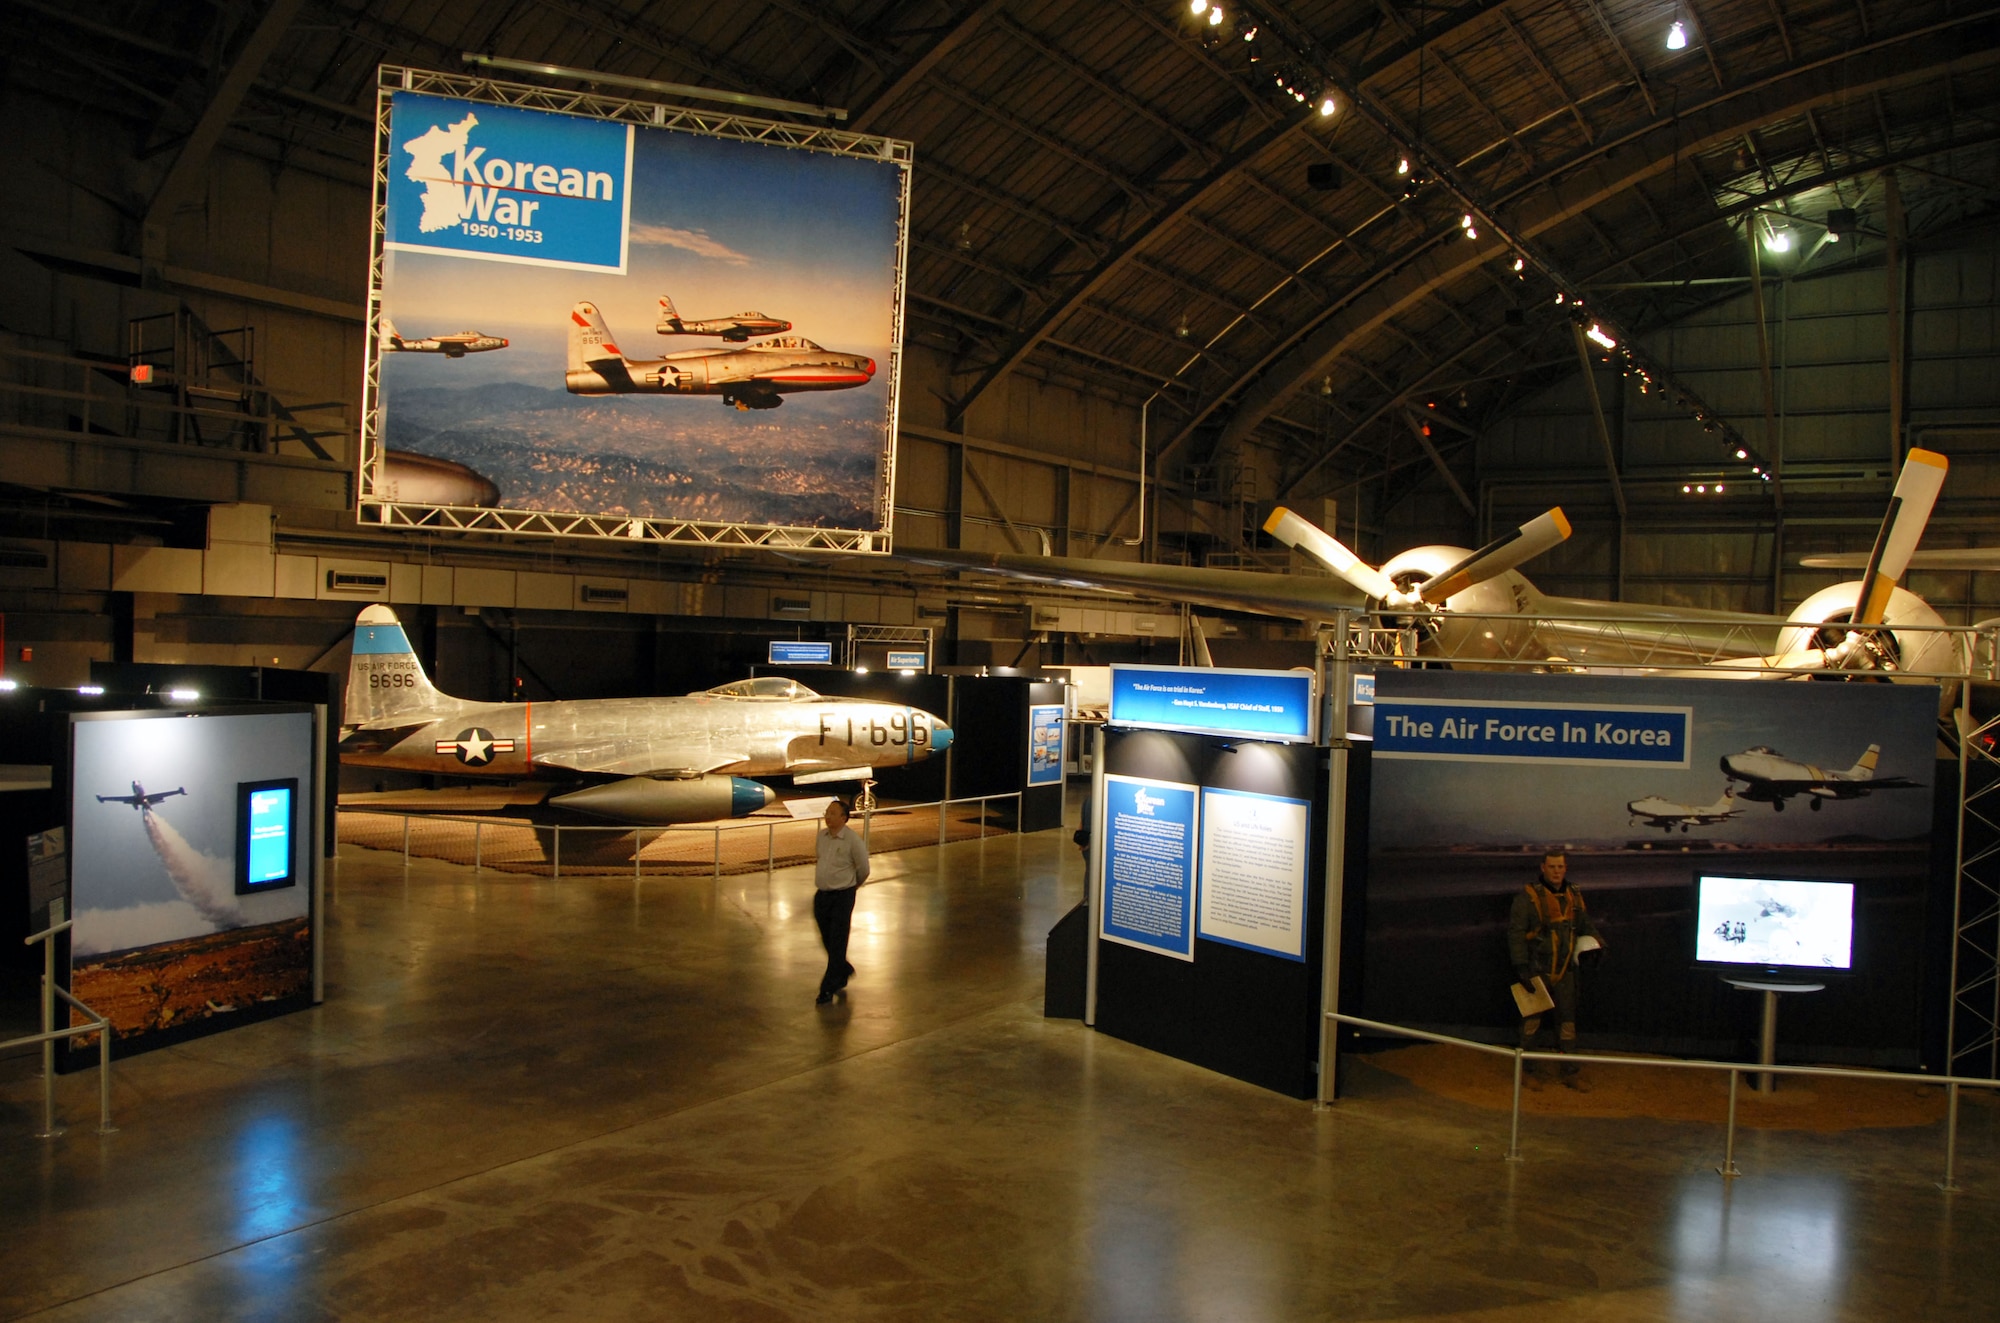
{"x": 580, "y": 1100}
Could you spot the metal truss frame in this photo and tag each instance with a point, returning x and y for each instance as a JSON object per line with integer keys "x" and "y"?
{"x": 371, "y": 452}
{"x": 1972, "y": 1033}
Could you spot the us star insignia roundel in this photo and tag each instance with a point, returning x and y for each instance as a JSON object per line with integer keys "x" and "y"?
{"x": 475, "y": 747}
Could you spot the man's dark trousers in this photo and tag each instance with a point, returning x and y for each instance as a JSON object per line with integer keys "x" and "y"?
{"x": 833, "y": 911}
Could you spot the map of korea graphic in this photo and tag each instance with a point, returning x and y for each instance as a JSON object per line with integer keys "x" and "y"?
{"x": 444, "y": 196}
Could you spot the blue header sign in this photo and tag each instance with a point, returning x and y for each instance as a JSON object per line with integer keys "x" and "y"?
{"x": 1147, "y": 866}
{"x": 501, "y": 184}
{"x": 1258, "y": 705}
{"x": 793, "y": 652}
{"x": 906, "y": 661}
{"x": 1483, "y": 731}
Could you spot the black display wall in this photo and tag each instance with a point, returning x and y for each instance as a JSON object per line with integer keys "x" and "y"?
{"x": 1243, "y": 1013}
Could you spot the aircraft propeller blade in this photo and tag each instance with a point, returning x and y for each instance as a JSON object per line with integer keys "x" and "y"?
{"x": 1909, "y": 509}
{"x": 1525, "y": 543}
{"x": 1198, "y": 637}
{"x": 1323, "y": 547}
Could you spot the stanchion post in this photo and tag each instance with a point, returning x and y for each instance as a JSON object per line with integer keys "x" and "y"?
{"x": 104, "y": 1126}
{"x": 718, "y": 852}
{"x": 476, "y": 860}
{"x": 1728, "y": 1168}
{"x": 770, "y": 849}
{"x": 406, "y": 840}
{"x": 1514, "y": 1126}
{"x": 1950, "y": 1182}
{"x": 943, "y": 804}
{"x": 638, "y": 848}
{"x": 555, "y": 854}
{"x": 1093, "y": 881}
{"x": 49, "y": 1128}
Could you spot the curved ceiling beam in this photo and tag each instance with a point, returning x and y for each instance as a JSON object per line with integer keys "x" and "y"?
{"x": 1220, "y": 173}
{"x": 1568, "y": 191}
{"x": 1429, "y": 379}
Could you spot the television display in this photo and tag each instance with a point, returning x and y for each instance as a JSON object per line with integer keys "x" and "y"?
{"x": 267, "y": 817}
{"x": 1775, "y": 923}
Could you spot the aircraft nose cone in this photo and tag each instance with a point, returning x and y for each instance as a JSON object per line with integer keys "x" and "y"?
{"x": 940, "y": 737}
{"x": 870, "y": 369}
{"x": 747, "y": 796}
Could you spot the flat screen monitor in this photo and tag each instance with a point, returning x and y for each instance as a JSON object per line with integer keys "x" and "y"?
{"x": 1783, "y": 925}
{"x": 267, "y": 820}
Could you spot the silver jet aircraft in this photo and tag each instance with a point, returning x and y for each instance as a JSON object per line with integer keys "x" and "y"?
{"x": 753, "y": 376}
{"x": 451, "y": 346}
{"x": 1654, "y": 811}
{"x": 1770, "y": 777}
{"x": 735, "y": 328}
{"x": 654, "y": 760}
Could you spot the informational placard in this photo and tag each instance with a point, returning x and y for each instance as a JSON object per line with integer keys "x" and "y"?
{"x": 1045, "y": 744}
{"x": 597, "y": 317}
{"x": 1253, "y": 870}
{"x": 1147, "y": 865}
{"x": 786, "y": 652}
{"x": 906, "y": 661}
{"x": 1258, "y": 705}
{"x": 267, "y": 819}
{"x": 1481, "y": 730}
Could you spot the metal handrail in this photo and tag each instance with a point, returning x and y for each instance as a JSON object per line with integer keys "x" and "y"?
{"x": 713, "y": 829}
{"x": 1728, "y": 1168}
{"x": 50, "y": 1035}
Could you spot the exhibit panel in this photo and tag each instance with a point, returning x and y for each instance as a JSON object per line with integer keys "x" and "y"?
{"x": 1210, "y": 861}
{"x": 192, "y": 869}
{"x": 1712, "y": 827}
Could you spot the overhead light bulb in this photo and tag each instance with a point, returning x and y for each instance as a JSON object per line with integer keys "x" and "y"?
{"x": 1742, "y": 454}
{"x": 1215, "y": 17}
{"x": 91, "y": 690}
{"x": 9, "y": 686}
{"x": 1520, "y": 264}
{"x": 1326, "y": 104}
{"x": 1701, "y": 487}
{"x": 1402, "y": 165}
{"x": 1597, "y": 334}
{"x": 1687, "y": 489}
{"x": 1777, "y": 240}
{"x": 1677, "y": 37}
{"x": 1465, "y": 221}
{"x": 1250, "y": 33}
{"x": 1471, "y": 233}
{"x": 1198, "y": 7}
{"x": 183, "y": 695}
{"x": 1718, "y": 489}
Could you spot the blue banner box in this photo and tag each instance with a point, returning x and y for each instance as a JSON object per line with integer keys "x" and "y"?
{"x": 1257, "y": 705}
{"x": 1479, "y": 731}
{"x": 501, "y": 184}
{"x": 801, "y": 654}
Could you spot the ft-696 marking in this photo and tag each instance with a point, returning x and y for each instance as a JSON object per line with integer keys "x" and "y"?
{"x": 900, "y": 729}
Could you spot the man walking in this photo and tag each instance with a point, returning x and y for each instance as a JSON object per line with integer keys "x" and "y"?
{"x": 840, "y": 867}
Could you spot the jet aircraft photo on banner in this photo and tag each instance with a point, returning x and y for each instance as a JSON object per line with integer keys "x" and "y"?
{"x": 544, "y": 229}
{"x": 651, "y": 761}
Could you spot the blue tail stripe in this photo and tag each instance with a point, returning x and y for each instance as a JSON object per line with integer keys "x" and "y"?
{"x": 377, "y": 639}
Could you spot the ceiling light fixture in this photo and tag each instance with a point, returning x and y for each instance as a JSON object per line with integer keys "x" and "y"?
{"x": 1776, "y": 239}
{"x": 1198, "y": 7}
{"x": 1597, "y": 334}
{"x": 1677, "y": 36}
{"x": 1327, "y": 105}
{"x": 1402, "y": 163}
{"x": 1215, "y": 17}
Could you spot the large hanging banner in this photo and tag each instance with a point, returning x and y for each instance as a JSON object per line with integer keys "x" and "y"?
{"x": 1644, "y": 784}
{"x": 602, "y": 317}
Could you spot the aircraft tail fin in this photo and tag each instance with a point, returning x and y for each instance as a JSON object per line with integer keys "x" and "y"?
{"x": 386, "y": 685}
{"x": 1864, "y": 770}
{"x": 670, "y": 321}
{"x": 590, "y": 339}
{"x": 390, "y": 338}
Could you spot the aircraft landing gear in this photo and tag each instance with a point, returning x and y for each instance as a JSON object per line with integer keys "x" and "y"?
{"x": 751, "y": 400}
{"x": 1777, "y": 806}
{"x": 1813, "y": 804}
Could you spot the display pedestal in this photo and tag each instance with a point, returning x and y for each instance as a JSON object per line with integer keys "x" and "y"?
{"x": 1767, "y": 1047}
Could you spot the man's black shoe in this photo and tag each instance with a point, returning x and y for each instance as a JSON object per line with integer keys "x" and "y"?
{"x": 823, "y": 999}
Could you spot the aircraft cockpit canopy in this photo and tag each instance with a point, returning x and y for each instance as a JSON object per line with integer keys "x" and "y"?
{"x": 786, "y": 342}
{"x": 765, "y": 688}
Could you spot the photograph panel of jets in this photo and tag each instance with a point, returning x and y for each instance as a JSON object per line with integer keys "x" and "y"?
{"x": 451, "y": 346}
{"x": 736, "y": 327}
{"x": 1770, "y": 777}
{"x": 757, "y": 375}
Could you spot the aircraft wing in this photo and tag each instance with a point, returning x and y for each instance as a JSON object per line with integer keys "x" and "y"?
{"x": 1598, "y": 633}
{"x": 1301, "y": 597}
{"x": 632, "y": 758}
{"x": 1960, "y": 558}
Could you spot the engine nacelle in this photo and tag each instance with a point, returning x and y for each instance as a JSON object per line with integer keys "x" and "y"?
{"x": 1912, "y": 649}
{"x": 652, "y": 802}
{"x": 1466, "y": 642}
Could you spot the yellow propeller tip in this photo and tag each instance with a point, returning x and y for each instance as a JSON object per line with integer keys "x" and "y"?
{"x": 1562, "y": 520}
{"x": 1918, "y": 455}
{"x": 1278, "y": 516}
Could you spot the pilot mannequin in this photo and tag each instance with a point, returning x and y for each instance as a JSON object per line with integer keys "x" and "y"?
{"x": 1543, "y": 928}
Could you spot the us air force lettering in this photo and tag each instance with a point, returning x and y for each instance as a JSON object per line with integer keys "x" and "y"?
{"x": 641, "y": 760}
{"x": 508, "y": 185}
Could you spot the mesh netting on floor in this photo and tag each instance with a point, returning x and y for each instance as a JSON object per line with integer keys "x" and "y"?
{"x": 513, "y": 846}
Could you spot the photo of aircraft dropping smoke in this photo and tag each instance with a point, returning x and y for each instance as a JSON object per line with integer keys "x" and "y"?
{"x": 139, "y": 799}
{"x": 756, "y": 376}
{"x": 451, "y": 346}
{"x": 1771, "y": 778}
{"x": 736, "y": 327}
{"x": 649, "y": 761}
{"x": 1653, "y": 811}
